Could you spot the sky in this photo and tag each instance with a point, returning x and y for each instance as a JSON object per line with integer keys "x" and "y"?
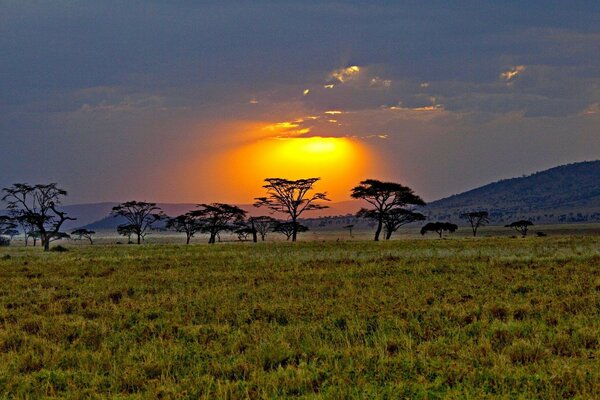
{"x": 193, "y": 101}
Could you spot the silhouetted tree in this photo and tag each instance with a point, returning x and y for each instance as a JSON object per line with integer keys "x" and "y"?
{"x": 288, "y": 228}
{"x": 384, "y": 197}
{"x": 291, "y": 197}
{"x": 84, "y": 233}
{"x": 243, "y": 229}
{"x": 262, "y": 225}
{"x": 139, "y": 215}
{"x": 11, "y": 233}
{"x": 439, "y": 228}
{"x": 38, "y": 205}
{"x": 398, "y": 217}
{"x": 126, "y": 230}
{"x": 187, "y": 223}
{"x": 349, "y": 228}
{"x": 521, "y": 226}
{"x": 476, "y": 219}
{"x": 7, "y": 228}
{"x": 25, "y": 226}
{"x": 218, "y": 217}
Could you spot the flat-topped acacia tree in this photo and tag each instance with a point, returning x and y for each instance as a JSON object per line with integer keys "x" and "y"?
{"x": 291, "y": 197}
{"x": 384, "y": 197}
{"x": 38, "y": 205}
{"x": 476, "y": 219}
{"x": 139, "y": 215}
{"x": 217, "y": 217}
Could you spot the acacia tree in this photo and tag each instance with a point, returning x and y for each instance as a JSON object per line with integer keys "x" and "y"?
{"x": 187, "y": 223}
{"x": 261, "y": 225}
{"x": 521, "y": 226}
{"x": 7, "y": 227}
{"x": 439, "y": 228}
{"x": 126, "y": 230}
{"x": 288, "y": 228}
{"x": 384, "y": 197}
{"x": 84, "y": 233}
{"x": 398, "y": 217}
{"x": 218, "y": 217}
{"x": 27, "y": 228}
{"x": 292, "y": 198}
{"x": 476, "y": 219}
{"x": 139, "y": 215}
{"x": 38, "y": 205}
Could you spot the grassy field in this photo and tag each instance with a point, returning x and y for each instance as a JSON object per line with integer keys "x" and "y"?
{"x": 458, "y": 318}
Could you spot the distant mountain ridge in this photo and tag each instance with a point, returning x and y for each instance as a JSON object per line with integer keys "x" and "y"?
{"x": 567, "y": 193}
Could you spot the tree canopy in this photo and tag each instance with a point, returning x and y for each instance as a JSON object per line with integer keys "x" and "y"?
{"x": 38, "y": 206}
{"x": 439, "y": 228}
{"x": 384, "y": 197}
{"x": 140, "y": 216}
{"x": 291, "y": 197}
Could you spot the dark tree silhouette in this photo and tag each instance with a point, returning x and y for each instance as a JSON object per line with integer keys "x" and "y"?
{"x": 521, "y": 226}
{"x": 11, "y": 233}
{"x": 38, "y": 205}
{"x": 384, "y": 197}
{"x": 7, "y": 228}
{"x": 288, "y": 228}
{"x": 349, "y": 228}
{"x": 187, "y": 223}
{"x": 25, "y": 227}
{"x": 243, "y": 229}
{"x": 439, "y": 228}
{"x": 398, "y": 217}
{"x": 140, "y": 216}
{"x": 291, "y": 198}
{"x": 261, "y": 225}
{"x": 476, "y": 219}
{"x": 126, "y": 230}
{"x": 82, "y": 233}
{"x": 218, "y": 217}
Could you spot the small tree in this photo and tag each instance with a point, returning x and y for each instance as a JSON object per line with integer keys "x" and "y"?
{"x": 126, "y": 230}
{"x": 218, "y": 217}
{"x": 384, "y": 197}
{"x": 82, "y": 233}
{"x": 243, "y": 229}
{"x": 139, "y": 215}
{"x": 262, "y": 225}
{"x": 187, "y": 223}
{"x": 291, "y": 197}
{"x": 349, "y": 229}
{"x": 288, "y": 228}
{"x": 476, "y": 219}
{"x": 439, "y": 228}
{"x": 398, "y": 217}
{"x": 39, "y": 206}
{"x": 521, "y": 226}
{"x": 7, "y": 228}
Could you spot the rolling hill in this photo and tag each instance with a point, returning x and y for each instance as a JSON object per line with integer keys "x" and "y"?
{"x": 568, "y": 193}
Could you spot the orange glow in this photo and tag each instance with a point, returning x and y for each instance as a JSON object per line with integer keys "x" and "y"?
{"x": 340, "y": 163}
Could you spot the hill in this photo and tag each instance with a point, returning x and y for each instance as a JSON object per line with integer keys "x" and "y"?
{"x": 568, "y": 193}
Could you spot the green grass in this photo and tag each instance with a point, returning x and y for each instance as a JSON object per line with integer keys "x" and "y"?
{"x": 459, "y": 318}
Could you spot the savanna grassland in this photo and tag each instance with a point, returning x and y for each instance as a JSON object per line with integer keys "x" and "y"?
{"x": 458, "y": 318}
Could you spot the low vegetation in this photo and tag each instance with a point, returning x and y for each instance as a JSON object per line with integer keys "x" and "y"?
{"x": 459, "y": 318}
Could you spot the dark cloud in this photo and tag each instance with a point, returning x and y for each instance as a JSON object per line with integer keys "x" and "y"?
{"x": 96, "y": 94}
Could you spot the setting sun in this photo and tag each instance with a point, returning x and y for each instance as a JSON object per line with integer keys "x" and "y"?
{"x": 339, "y": 162}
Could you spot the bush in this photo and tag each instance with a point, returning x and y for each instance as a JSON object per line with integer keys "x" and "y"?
{"x": 59, "y": 249}
{"x": 4, "y": 242}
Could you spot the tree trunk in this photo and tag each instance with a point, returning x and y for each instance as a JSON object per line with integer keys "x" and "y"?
{"x": 388, "y": 235}
{"x": 211, "y": 240}
{"x": 294, "y": 229}
{"x": 379, "y": 226}
{"x": 139, "y": 238}
{"x": 187, "y": 240}
{"x": 46, "y": 242}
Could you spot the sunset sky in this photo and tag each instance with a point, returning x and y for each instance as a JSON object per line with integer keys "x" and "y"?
{"x": 188, "y": 101}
